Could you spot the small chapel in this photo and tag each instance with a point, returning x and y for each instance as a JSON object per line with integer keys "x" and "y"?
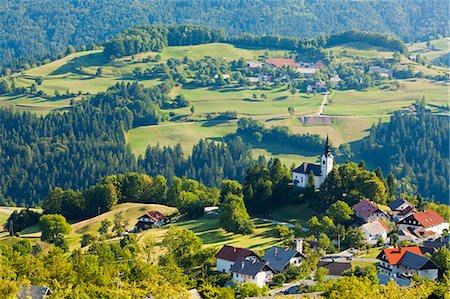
{"x": 301, "y": 174}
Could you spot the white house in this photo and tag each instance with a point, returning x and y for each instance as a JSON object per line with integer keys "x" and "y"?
{"x": 384, "y": 72}
{"x": 427, "y": 220}
{"x": 280, "y": 258}
{"x": 373, "y": 230}
{"x": 366, "y": 211}
{"x": 406, "y": 262}
{"x": 228, "y": 255}
{"x": 149, "y": 220}
{"x": 301, "y": 174}
{"x": 251, "y": 270}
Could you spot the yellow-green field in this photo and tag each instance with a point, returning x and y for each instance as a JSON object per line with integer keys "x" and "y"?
{"x": 379, "y": 102}
{"x": 441, "y": 48}
{"x": 360, "y": 50}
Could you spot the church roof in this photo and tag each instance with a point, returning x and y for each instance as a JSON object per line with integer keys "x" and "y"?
{"x": 306, "y": 168}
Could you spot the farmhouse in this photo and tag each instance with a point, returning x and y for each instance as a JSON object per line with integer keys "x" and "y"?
{"x": 254, "y": 65}
{"x": 366, "y": 210}
{"x": 280, "y": 258}
{"x": 150, "y": 219}
{"x": 251, "y": 270}
{"x": 427, "y": 220}
{"x": 280, "y": 62}
{"x": 373, "y": 230}
{"x": 228, "y": 255}
{"x": 301, "y": 174}
{"x": 406, "y": 262}
{"x": 306, "y": 72}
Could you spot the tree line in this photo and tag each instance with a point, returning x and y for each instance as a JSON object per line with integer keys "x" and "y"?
{"x": 84, "y": 24}
{"x": 415, "y": 148}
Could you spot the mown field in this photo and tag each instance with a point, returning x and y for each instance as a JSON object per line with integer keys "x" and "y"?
{"x": 441, "y": 48}
{"x": 206, "y": 227}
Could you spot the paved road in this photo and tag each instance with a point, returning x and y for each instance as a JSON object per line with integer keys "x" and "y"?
{"x": 290, "y": 225}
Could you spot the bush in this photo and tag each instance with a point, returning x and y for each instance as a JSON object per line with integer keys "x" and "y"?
{"x": 278, "y": 279}
{"x": 87, "y": 239}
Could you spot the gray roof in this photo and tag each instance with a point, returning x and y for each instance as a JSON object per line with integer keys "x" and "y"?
{"x": 397, "y": 203}
{"x": 249, "y": 267}
{"x": 383, "y": 279}
{"x": 34, "y": 292}
{"x": 278, "y": 258}
{"x": 417, "y": 262}
{"x": 306, "y": 168}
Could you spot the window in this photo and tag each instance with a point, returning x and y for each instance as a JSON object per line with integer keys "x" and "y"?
{"x": 323, "y": 162}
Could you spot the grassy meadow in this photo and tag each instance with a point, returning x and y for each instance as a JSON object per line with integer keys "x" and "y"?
{"x": 441, "y": 48}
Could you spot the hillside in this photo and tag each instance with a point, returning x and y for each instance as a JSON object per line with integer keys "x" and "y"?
{"x": 87, "y": 22}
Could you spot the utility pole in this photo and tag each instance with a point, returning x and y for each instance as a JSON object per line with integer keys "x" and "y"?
{"x": 339, "y": 242}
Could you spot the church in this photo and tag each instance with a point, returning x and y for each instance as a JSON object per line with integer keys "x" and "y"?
{"x": 301, "y": 174}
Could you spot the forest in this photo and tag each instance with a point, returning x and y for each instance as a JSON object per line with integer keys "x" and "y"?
{"x": 44, "y": 29}
{"x": 415, "y": 148}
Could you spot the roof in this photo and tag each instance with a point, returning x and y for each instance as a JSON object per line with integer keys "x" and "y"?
{"x": 436, "y": 244}
{"x": 397, "y": 203}
{"x": 154, "y": 215}
{"x": 306, "y": 168}
{"x": 365, "y": 208}
{"x": 34, "y": 292}
{"x": 375, "y": 227}
{"x": 278, "y": 258}
{"x": 249, "y": 267}
{"x": 279, "y": 62}
{"x": 383, "y": 279}
{"x": 406, "y": 211}
{"x": 428, "y": 218}
{"x": 416, "y": 261}
{"x": 335, "y": 268}
{"x": 232, "y": 253}
{"x": 254, "y": 64}
{"x": 306, "y": 70}
{"x": 394, "y": 254}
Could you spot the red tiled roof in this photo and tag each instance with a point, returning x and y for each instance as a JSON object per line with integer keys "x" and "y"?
{"x": 155, "y": 215}
{"x": 394, "y": 255}
{"x": 232, "y": 253}
{"x": 428, "y": 218}
{"x": 279, "y": 62}
{"x": 365, "y": 208}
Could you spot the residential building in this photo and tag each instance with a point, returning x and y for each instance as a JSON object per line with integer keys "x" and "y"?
{"x": 401, "y": 208}
{"x": 150, "y": 219}
{"x": 228, "y": 255}
{"x": 426, "y": 221}
{"x": 335, "y": 269}
{"x": 373, "y": 230}
{"x": 406, "y": 262}
{"x": 300, "y": 175}
{"x": 254, "y": 65}
{"x": 281, "y": 62}
{"x": 34, "y": 292}
{"x": 383, "y": 279}
{"x": 251, "y": 270}
{"x": 280, "y": 258}
{"x": 306, "y": 72}
{"x": 384, "y": 72}
{"x": 366, "y": 210}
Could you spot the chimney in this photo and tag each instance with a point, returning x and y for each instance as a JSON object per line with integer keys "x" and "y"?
{"x": 276, "y": 251}
{"x": 234, "y": 248}
{"x": 298, "y": 245}
{"x": 242, "y": 265}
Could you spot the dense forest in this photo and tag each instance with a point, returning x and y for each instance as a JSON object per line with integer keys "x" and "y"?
{"x": 44, "y": 28}
{"x": 414, "y": 147}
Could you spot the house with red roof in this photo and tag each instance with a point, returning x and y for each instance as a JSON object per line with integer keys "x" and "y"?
{"x": 367, "y": 210}
{"x": 228, "y": 255}
{"x": 280, "y": 62}
{"x": 423, "y": 222}
{"x": 149, "y": 220}
{"x": 405, "y": 262}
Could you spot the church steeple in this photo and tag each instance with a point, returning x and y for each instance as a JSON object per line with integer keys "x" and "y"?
{"x": 327, "y": 149}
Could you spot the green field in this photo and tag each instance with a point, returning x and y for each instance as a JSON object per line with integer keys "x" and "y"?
{"x": 360, "y": 50}
{"x": 375, "y": 102}
{"x": 441, "y": 48}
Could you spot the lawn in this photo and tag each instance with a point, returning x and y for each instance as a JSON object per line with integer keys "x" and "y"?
{"x": 36, "y": 104}
{"x": 300, "y": 213}
{"x": 375, "y": 102}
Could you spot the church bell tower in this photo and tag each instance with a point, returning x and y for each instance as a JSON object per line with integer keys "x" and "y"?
{"x": 327, "y": 158}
